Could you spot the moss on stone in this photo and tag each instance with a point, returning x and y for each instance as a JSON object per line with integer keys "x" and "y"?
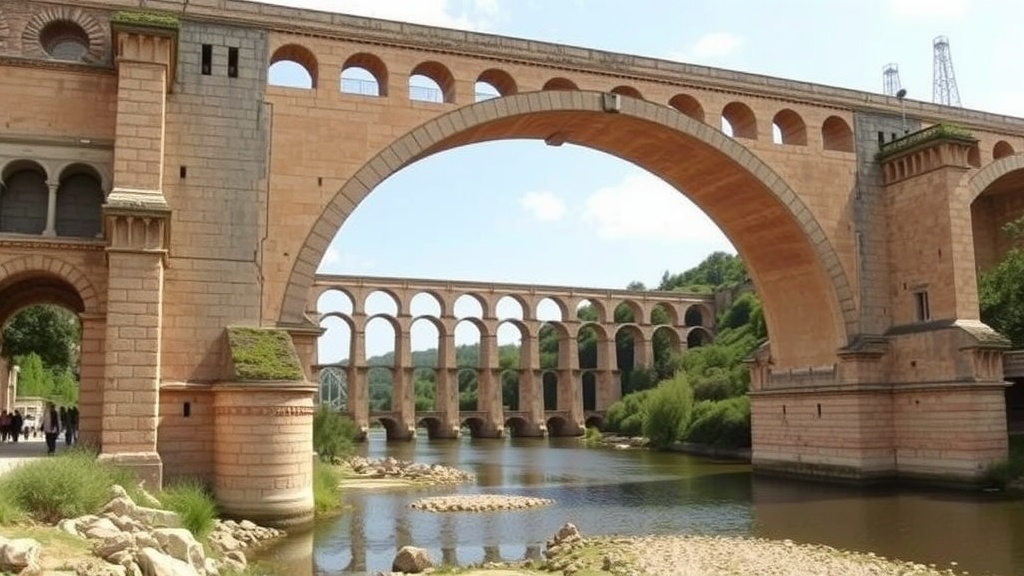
{"x": 915, "y": 139}
{"x": 263, "y": 354}
{"x": 147, "y": 19}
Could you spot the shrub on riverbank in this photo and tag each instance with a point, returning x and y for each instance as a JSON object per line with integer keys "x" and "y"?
{"x": 65, "y": 486}
{"x": 194, "y": 504}
{"x": 627, "y": 415}
{"x": 668, "y": 411}
{"x": 333, "y": 433}
{"x": 723, "y": 424}
{"x": 1002, "y": 474}
{"x": 326, "y": 487}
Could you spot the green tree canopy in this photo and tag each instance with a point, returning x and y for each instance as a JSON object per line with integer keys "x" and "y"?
{"x": 47, "y": 330}
{"x": 1000, "y": 293}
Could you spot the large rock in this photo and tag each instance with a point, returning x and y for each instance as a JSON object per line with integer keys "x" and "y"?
{"x": 179, "y": 544}
{"x": 17, "y": 554}
{"x": 155, "y": 563}
{"x": 411, "y": 560}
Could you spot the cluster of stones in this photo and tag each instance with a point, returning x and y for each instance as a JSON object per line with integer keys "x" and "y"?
{"x": 623, "y": 442}
{"x": 406, "y": 470}
{"x": 137, "y": 540}
{"x": 479, "y": 503}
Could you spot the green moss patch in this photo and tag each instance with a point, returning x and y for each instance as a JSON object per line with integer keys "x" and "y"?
{"x": 146, "y": 19}
{"x": 263, "y": 354}
{"x": 915, "y": 139}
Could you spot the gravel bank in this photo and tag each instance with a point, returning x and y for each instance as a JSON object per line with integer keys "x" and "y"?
{"x": 479, "y": 503}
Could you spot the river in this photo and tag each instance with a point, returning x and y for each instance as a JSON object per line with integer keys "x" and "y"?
{"x": 608, "y": 491}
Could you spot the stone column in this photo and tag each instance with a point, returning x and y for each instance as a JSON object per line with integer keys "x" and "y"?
{"x": 489, "y": 389}
{"x": 403, "y": 397}
{"x": 446, "y": 394}
{"x": 358, "y": 386}
{"x": 91, "y": 358}
{"x": 51, "y": 209}
{"x": 609, "y": 389}
{"x": 570, "y": 383}
{"x": 531, "y": 383}
{"x": 136, "y": 218}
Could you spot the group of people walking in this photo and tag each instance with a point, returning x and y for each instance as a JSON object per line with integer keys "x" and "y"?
{"x": 52, "y": 423}
{"x": 13, "y": 425}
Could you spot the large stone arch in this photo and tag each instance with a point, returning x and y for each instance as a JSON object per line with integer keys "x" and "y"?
{"x": 974, "y": 183}
{"x": 1002, "y": 179}
{"x": 42, "y": 266}
{"x": 772, "y": 228}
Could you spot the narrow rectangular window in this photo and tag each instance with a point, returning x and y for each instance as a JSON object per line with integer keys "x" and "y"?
{"x": 233, "y": 62}
{"x": 207, "y": 59}
{"x": 921, "y": 311}
{"x": 186, "y": 410}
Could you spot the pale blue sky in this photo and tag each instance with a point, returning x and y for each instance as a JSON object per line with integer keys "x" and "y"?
{"x": 530, "y": 213}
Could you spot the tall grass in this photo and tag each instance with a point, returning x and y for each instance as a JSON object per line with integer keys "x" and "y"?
{"x": 1003, "y": 473}
{"x": 326, "y": 487}
{"x": 194, "y": 504}
{"x": 65, "y": 486}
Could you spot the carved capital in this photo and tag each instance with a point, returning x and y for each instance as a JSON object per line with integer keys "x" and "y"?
{"x": 137, "y": 232}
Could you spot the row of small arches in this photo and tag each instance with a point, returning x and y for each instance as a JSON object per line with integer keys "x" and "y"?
{"x": 366, "y": 74}
{"x": 24, "y": 199}
{"x": 551, "y": 308}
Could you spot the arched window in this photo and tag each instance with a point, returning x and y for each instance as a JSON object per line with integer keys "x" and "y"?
{"x": 627, "y": 91}
{"x": 432, "y": 82}
{"x": 738, "y": 121}
{"x": 293, "y": 66}
{"x": 493, "y": 83}
{"x": 688, "y": 105}
{"x": 23, "y": 199}
{"x": 789, "y": 128}
{"x": 559, "y": 83}
{"x": 364, "y": 74}
{"x": 79, "y": 203}
{"x": 1002, "y": 149}
{"x": 836, "y": 135}
{"x": 65, "y": 40}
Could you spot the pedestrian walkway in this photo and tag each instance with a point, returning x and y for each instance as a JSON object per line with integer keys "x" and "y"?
{"x": 16, "y": 453}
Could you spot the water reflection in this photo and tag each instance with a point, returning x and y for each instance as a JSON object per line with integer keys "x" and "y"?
{"x": 637, "y": 492}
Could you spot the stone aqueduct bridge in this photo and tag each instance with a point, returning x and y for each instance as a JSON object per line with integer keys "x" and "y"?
{"x": 690, "y": 319}
{"x": 155, "y": 184}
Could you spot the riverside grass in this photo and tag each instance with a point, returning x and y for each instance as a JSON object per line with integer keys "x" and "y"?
{"x": 326, "y": 488}
{"x": 194, "y": 504}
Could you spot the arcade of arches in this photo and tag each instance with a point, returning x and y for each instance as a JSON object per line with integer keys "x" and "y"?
{"x": 568, "y": 367}
{"x": 221, "y": 194}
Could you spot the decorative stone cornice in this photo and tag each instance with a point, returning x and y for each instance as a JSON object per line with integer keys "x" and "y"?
{"x": 269, "y": 411}
{"x": 51, "y": 244}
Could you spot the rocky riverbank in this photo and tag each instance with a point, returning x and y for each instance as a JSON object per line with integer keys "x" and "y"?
{"x": 479, "y": 503}
{"x": 127, "y": 539}
{"x": 393, "y": 468}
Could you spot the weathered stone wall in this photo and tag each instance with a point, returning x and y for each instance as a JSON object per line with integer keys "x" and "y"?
{"x": 214, "y": 182}
{"x": 186, "y": 437}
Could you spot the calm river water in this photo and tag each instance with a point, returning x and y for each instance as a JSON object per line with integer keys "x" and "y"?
{"x": 607, "y": 491}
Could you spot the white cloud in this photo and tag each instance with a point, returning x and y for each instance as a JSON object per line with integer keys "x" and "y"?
{"x": 926, "y": 8}
{"x": 462, "y": 14}
{"x": 543, "y": 205}
{"x": 644, "y": 207}
{"x": 709, "y": 47}
{"x": 336, "y": 261}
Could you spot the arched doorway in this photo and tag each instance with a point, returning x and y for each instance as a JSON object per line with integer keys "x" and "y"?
{"x": 40, "y": 280}
{"x": 726, "y": 180}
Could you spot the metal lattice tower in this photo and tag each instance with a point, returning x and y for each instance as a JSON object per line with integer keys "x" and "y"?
{"x": 944, "y": 90}
{"x": 891, "y": 79}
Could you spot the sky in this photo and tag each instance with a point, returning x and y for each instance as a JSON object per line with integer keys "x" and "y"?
{"x": 574, "y": 216}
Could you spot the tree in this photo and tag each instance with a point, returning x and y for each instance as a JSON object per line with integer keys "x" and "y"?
{"x": 669, "y": 409}
{"x": 47, "y": 330}
{"x": 33, "y": 379}
{"x": 999, "y": 290}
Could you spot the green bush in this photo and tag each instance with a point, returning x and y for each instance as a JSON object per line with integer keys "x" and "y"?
{"x": 1001, "y": 474}
{"x": 193, "y": 503}
{"x": 724, "y": 424}
{"x": 65, "y": 486}
{"x": 626, "y": 415}
{"x": 591, "y": 435}
{"x": 668, "y": 411}
{"x": 326, "y": 488}
{"x": 333, "y": 433}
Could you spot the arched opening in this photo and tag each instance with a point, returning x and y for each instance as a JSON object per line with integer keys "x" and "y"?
{"x": 667, "y": 348}
{"x": 696, "y": 315}
{"x": 591, "y": 311}
{"x": 550, "y": 382}
{"x": 334, "y": 351}
{"x": 42, "y": 340}
{"x": 510, "y": 359}
{"x": 627, "y": 91}
{"x": 390, "y": 427}
{"x": 469, "y": 306}
{"x": 836, "y": 135}
{"x": 424, "y": 345}
{"x": 432, "y": 425}
{"x": 23, "y": 198}
{"x": 805, "y": 331}
{"x": 364, "y": 74}
{"x": 335, "y": 300}
{"x": 79, "y": 209}
{"x": 738, "y": 121}
{"x": 557, "y": 426}
{"x": 594, "y": 421}
{"x": 664, "y": 313}
{"x": 974, "y": 156}
{"x": 1002, "y": 149}
{"x": 516, "y": 426}
{"x": 468, "y": 340}
{"x": 789, "y": 128}
{"x": 631, "y": 359}
{"x": 494, "y": 82}
{"x": 293, "y": 66}
{"x": 559, "y": 83}
{"x": 381, "y": 340}
{"x": 698, "y": 336}
{"x": 426, "y": 304}
{"x": 688, "y": 105}
{"x": 432, "y": 82}
{"x": 587, "y": 339}
{"x": 589, "y": 390}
